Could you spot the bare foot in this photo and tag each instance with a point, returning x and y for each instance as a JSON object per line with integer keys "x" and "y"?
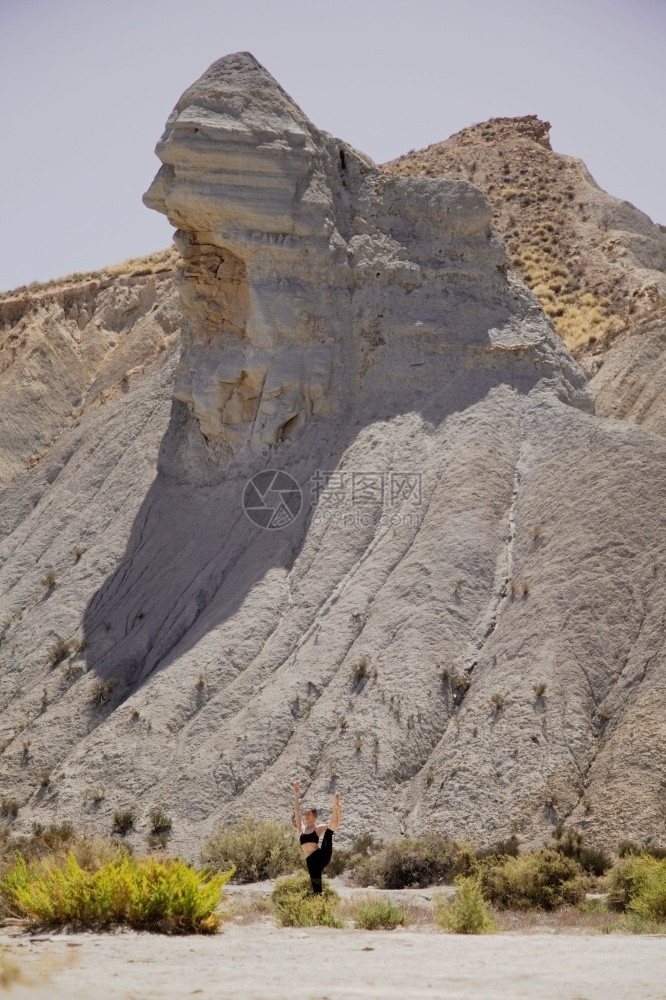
{"x": 336, "y": 817}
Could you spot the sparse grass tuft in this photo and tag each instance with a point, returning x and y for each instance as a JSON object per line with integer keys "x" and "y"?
{"x": 497, "y": 701}
{"x": 77, "y": 552}
{"x": 101, "y": 692}
{"x": 359, "y": 672}
{"x": 539, "y": 689}
{"x": 374, "y": 913}
{"x": 49, "y": 580}
{"x": 257, "y": 849}
{"x": 59, "y": 651}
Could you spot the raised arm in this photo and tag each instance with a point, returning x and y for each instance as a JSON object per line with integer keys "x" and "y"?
{"x": 297, "y": 807}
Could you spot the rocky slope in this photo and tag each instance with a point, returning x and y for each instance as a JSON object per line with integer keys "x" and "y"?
{"x": 597, "y": 264}
{"x": 461, "y": 626}
{"x": 69, "y": 345}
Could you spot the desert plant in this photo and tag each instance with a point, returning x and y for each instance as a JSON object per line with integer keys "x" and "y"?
{"x": 497, "y": 701}
{"x": 44, "y": 777}
{"x": 539, "y": 689}
{"x": 258, "y": 849}
{"x": 77, "y": 552}
{"x": 160, "y": 829}
{"x": 295, "y": 904}
{"x": 101, "y": 692}
{"x": 143, "y": 893}
{"x": 626, "y": 848}
{"x": 541, "y": 879}
{"x": 468, "y": 912}
{"x": 59, "y": 651}
{"x": 49, "y": 580}
{"x": 361, "y": 847}
{"x": 502, "y": 848}
{"x": 9, "y": 807}
{"x": 374, "y": 913}
{"x": 591, "y": 859}
{"x": 425, "y": 861}
{"x": 638, "y": 884}
{"x": 359, "y": 671}
{"x": 123, "y": 822}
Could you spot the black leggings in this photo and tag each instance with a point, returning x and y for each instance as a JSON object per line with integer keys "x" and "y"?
{"x": 318, "y": 860}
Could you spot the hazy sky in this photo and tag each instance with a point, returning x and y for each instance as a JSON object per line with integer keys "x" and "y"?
{"x": 88, "y": 85}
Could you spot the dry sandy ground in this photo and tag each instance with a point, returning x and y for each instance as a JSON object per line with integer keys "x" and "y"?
{"x": 262, "y": 962}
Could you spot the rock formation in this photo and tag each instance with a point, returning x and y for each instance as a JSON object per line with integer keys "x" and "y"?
{"x": 460, "y": 624}
{"x": 596, "y": 263}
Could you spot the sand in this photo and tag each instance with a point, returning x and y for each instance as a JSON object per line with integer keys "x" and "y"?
{"x": 263, "y": 962}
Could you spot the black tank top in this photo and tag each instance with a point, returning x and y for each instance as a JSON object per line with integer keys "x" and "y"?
{"x": 310, "y": 838}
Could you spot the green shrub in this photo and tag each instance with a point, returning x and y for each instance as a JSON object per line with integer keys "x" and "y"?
{"x": 431, "y": 860}
{"x": 374, "y": 913}
{"x": 591, "y": 859}
{"x": 295, "y": 904}
{"x": 638, "y": 884}
{"x": 540, "y": 880}
{"x": 628, "y": 847}
{"x": 258, "y": 849}
{"x": 143, "y": 893}
{"x": 468, "y": 912}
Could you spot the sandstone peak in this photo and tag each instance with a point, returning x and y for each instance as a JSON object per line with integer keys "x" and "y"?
{"x": 270, "y": 211}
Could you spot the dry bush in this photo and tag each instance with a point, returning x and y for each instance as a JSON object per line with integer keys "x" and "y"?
{"x": 101, "y": 692}
{"x": 593, "y": 860}
{"x": 59, "y": 651}
{"x": 123, "y": 822}
{"x": 9, "y": 807}
{"x": 431, "y": 860}
{"x": 359, "y": 671}
{"x": 258, "y": 849}
{"x": 160, "y": 829}
{"x": 49, "y": 580}
{"x": 541, "y": 879}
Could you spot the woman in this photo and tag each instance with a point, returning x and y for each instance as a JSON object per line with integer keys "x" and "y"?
{"x": 316, "y": 857}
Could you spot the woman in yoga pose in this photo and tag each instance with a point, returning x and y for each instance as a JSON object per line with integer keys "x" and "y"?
{"x": 316, "y": 857}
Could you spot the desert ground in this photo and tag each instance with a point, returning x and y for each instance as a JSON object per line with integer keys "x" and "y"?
{"x": 262, "y": 962}
{"x": 253, "y": 959}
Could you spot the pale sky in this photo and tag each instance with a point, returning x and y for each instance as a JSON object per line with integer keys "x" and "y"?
{"x": 88, "y": 85}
